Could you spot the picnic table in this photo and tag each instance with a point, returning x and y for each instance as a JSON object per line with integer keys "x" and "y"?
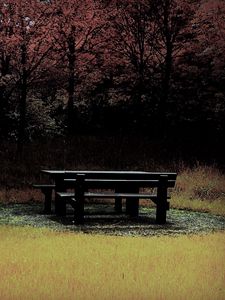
{"x": 122, "y": 185}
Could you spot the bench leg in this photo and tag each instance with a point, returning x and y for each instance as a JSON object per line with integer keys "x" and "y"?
{"x": 162, "y": 204}
{"x": 60, "y": 205}
{"x": 48, "y": 200}
{"x": 79, "y": 196}
{"x": 132, "y": 205}
{"x": 161, "y": 213}
{"x": 79, "y": 212}
{"x": 118, "y": 203}
{"x": 134, "y": 208}
{"x": 57, "y": 205}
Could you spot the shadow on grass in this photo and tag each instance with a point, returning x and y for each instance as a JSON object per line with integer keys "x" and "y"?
{"x": 101, "y": 219}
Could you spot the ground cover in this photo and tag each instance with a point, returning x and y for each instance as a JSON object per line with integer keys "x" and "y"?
{"x": 101, "y": 219}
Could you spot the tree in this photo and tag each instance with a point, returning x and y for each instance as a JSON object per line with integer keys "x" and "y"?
{"x": 208, "y": 59}
{"x": 146, "y": 37}
{"x": 132, "y": 30}
{"x": 27, "y": 44}
{"x": 5, "y": 34}
{"x": 171, "y": 18}
{"x": 76, "y": 25}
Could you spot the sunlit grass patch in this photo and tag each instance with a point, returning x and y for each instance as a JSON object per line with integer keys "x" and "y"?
{"x": 216, "y": 206}
{"x": 40, "y": 264}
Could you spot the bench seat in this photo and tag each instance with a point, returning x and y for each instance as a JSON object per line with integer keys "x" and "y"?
{"x": 44, "y": 186}
{"x": 115, "y": 183}
{"x": 109, "y": 195}
{"x": 70, "y": 197}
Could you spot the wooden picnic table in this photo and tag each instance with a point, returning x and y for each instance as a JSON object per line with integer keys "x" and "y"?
{"x": 60, "y": 175}
{"x": 126, "y": 184}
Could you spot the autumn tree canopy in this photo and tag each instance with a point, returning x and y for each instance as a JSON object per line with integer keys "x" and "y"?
{"x": 150, "y": 66}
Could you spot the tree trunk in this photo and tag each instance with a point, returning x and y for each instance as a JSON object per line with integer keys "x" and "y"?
{"x": 166, "y": 76}
{"x": 22, "y": 102}
{"x": 71, "y": 82}
{"x": 4, "y": 124}
{"x": 5, "y": 63}
{"x": 166, "y": 73}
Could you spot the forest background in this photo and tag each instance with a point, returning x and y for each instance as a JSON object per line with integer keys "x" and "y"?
{"x": 110, "y": 84}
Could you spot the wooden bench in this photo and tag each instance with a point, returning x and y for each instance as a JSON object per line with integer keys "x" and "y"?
{"x": 46, "y": 189}
{"x": 122, "y": 189}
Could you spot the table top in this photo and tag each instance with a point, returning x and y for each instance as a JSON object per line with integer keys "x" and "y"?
{"x": 106, "y": 173}
{"x": 108, "y": 178}
{"x": 93, "y": 172}
{"x": 101, "y": 172}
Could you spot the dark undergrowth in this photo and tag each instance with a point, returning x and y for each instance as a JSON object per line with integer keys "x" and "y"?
{"x": 94, "y": 153}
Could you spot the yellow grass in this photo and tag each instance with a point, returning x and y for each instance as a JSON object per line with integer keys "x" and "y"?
{"x": 201, "y": 188}
{"x": 40, "y": 264}
{"x": 216, "y": 206}
{"x": 202, "y": 182}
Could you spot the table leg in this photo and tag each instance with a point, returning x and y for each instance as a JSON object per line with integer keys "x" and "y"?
{"x": 132, "y": 204}
{"x": 162, "y": 204}
{"x": 118, "y": 203}
{"x": 48, "y": 200}
{"x": 79, "y": 197}
{"x": 60, "y": 205}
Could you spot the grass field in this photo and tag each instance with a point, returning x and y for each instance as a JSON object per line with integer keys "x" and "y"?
{"x": 40, "y": 264}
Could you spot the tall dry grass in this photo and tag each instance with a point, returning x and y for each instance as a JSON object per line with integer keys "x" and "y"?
{"x": 39, "y": 264}
{"x": 201, "y": 188}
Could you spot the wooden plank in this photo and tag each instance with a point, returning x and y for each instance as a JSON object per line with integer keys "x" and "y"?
{"x": 109, "y": 195}
{"x": 118, "y": 183}
{"x": 40, "y": 186}
{"x": 66, "y": 194}
{"x": 122, "y": 195}
{"x": 110, "y": 174}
